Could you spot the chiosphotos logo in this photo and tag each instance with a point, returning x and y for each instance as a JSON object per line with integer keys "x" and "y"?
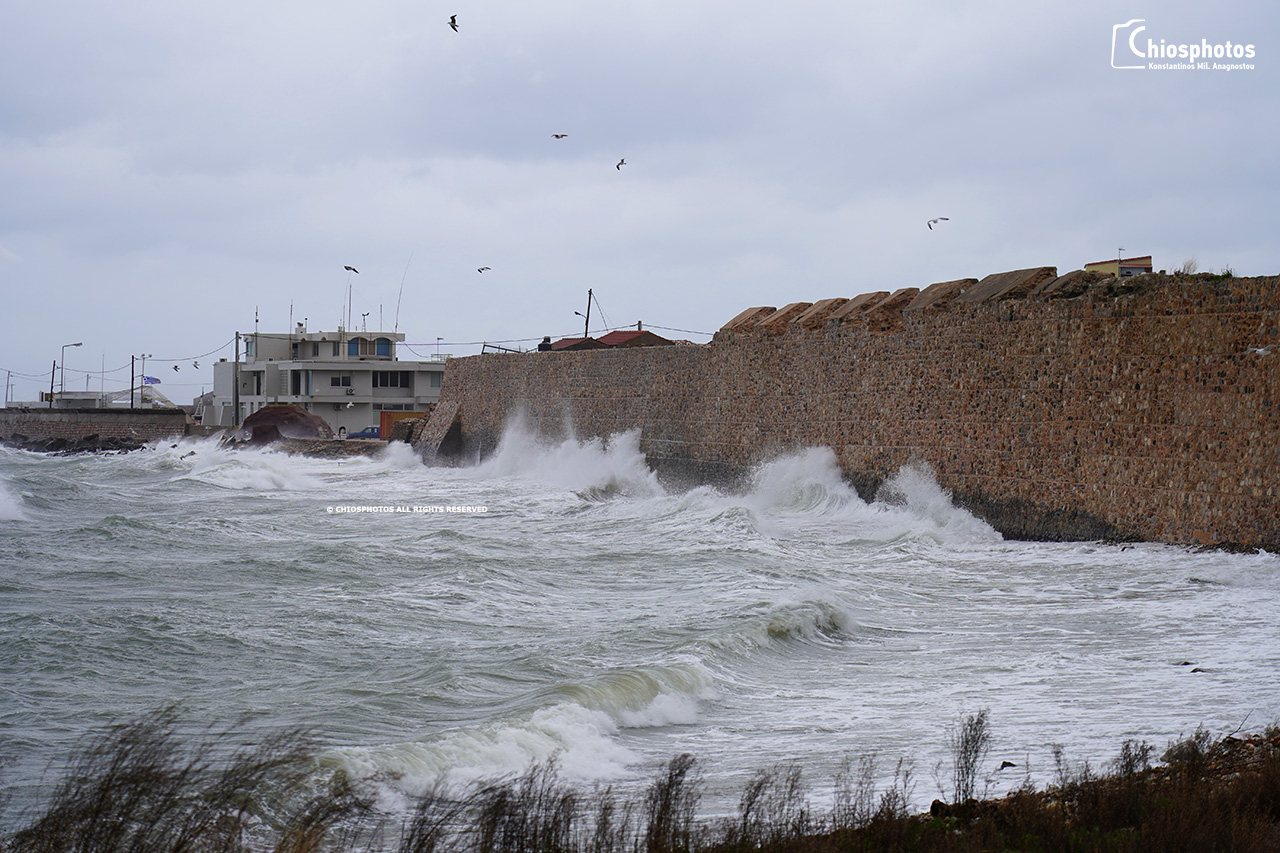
{"x": 1130, "y": 42}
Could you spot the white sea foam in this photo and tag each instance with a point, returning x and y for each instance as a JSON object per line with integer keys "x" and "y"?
{"x": 598, "y": 467}
{"x": 580, "y": 740}
{"x": 809, "y": 484}
{"x": 252, "y": 470}
{"x": 10, "y": 504}
{"x": 806, "y": 482}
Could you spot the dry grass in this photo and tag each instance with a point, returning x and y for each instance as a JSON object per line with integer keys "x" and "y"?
{"x": 148, "y": 786}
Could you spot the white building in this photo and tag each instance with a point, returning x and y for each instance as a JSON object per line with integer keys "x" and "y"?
{"x": 347, "y": 378}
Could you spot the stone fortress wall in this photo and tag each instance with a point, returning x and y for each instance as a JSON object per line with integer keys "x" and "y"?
{"x": 1055, "y": 407}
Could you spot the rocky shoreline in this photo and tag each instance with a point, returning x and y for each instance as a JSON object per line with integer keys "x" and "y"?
{"x": 59, "y": 446}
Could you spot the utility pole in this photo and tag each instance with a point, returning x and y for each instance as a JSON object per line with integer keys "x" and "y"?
{"x": 52, "y": 374}
{"x": 133, "y": 377}
{"x": 586, "y": 326}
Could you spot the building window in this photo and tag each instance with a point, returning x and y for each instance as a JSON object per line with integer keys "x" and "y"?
{"x": 435, "y": 380}
{"x": 392, "y": 379}
{"x": 382, "y": 346}
{"x": 340, "y": 380}
{"x": 353, "y": 346}
{"x": 392, "y": 407}
{"x": 315, "y": 349}
{"x": 337, "y": 349}
{"x": 293, "y": 351}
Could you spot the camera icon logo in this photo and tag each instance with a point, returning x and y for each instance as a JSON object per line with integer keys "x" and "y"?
{"x": 1117, "y": 33}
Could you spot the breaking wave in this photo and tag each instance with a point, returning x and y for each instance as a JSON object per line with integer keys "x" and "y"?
{"x": 10, "y": 504}
{"x": 577, "y": 725}
{"x": 249, "y": 470}
{"x": 595, "y": 468}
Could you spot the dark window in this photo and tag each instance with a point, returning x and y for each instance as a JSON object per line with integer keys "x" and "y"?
{"x": 340, "y": 380}
{"x": 392, "y": 379}
{"x": 383, "y": 346}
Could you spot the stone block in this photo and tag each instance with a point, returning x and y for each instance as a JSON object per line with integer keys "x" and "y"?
{"x": 818, "y": 313}
{"x": 1016, "y": 284}
{"x": 897, "y": 301}
{"x": 1067, "y": 286}
{"x": 778, "y": 320}
{"x": 937, "y": 295}
{"x": 747, "y": 319}
{"x": 858, "y": 305}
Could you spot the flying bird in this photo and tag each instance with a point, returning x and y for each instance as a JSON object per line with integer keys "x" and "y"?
{"x": 1262, "y": 350}
{"x": 559, "y": 135}
{"x": 621, "y": 163}
{"x": 482, "y": 269}
{"x": 939, "y": 219}
{"x": 453, "y": 22}
{"x": 196, "y": 365}
{"x": 175, "y": 368}
{"x": 353, "y": 269}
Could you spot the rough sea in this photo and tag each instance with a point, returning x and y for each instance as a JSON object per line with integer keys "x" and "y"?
{"x": 444, "y": 625}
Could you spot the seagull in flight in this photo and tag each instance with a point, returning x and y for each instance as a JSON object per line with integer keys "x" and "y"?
{"x": 1262, "y": 350}
{"x": 196, "y": 365}
{"x": 621, "y": 163}
{"x": 482, "y": 269}
{"x": 352, "y": 269}
{"x": 559, "y": 135}
{"x": 453, "y": 22}
{"x": 175, "y": 368}
{"x": 939, "y": 219}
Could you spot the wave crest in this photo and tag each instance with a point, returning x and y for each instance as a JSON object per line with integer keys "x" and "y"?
{"x": 595, "y": 468}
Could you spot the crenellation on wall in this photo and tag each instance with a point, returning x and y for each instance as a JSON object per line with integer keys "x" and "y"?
{"x": 1129, "y": 411}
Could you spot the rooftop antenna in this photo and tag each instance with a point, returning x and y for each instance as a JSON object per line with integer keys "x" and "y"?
{"x": 402, "y": 278}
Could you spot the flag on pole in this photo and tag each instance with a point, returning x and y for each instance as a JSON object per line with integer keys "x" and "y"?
{"x": 150, "y": 380}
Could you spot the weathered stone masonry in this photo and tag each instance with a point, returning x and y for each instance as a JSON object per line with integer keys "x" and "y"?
{"x": 1055, "y": 408}
{"x": 141, "y": 424}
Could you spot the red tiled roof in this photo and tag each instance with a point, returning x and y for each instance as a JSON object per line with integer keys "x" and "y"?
{"x": 577, "y": 343}
{"x": 633, "y": 338}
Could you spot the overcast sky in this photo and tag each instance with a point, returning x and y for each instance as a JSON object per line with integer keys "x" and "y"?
{"x": 167, "y": 168}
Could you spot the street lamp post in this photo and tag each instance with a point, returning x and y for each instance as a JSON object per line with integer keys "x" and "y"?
{"x": 63, "y": 387}
{"x": 142, "y": 384}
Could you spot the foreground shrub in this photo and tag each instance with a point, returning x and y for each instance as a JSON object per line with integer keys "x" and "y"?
{"x": 147, "y": 786}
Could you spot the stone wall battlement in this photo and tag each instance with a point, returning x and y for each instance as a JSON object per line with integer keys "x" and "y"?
{"x": 1055, "y": 407}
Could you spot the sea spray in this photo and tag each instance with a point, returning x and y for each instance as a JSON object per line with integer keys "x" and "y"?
{"x": 10, "y": 503}
{"x": 559, "y": 622}
{"x": 596, "y": 467}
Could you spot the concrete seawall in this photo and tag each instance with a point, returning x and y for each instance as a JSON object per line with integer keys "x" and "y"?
{"x": 18, "y": 426}
{"x": 1054, "y": 407}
